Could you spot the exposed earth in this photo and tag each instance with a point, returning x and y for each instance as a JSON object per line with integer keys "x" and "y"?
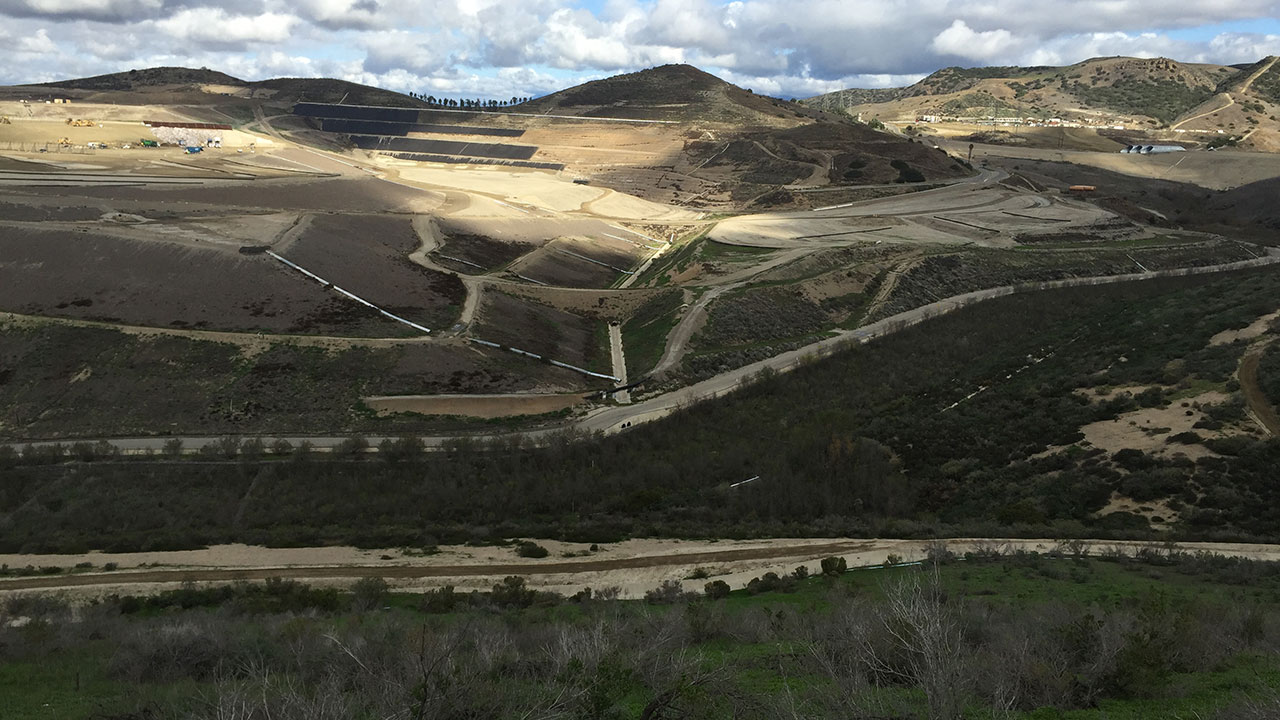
{"x": 665, "y": 227}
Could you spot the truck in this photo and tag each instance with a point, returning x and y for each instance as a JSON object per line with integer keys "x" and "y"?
{"x": 148, "y": 143}
{"x": 193, "y": 149}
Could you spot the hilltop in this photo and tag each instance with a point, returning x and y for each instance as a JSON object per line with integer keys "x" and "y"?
{"x": 170, "y": 84}
{"x": 749, "y": 149}
{"x": 671, "y": 92}
{"x": 1143, "y": 93}
{"x": 145, "y": 78}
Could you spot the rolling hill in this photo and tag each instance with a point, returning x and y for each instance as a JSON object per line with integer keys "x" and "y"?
{"x": 671, "y": 92}
{"x": 162, "y": 83}
{"x": 751, "y": 146}
{"x": 1150, "y": 93}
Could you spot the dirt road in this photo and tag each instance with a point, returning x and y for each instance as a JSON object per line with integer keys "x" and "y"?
{"x": 619, "y": 359}
{"x": 1260, "y": 406}
{"x": 634, "y": 565}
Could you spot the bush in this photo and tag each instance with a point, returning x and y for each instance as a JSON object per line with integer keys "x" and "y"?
{"x": 771, "y": 582}
{"x": 527, "y": 549}
{"x": 833, "y": 566}
{"x": 441, "y": 600}
{"x": 351, "y": 447}
{"x": 717, "y": 589}
{"x": 512, "y": 593}
{"x": 669, "y": 592}
{"x": 369, "y": 592}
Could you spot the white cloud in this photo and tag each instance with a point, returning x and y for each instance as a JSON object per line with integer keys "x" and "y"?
{"x": 38, "y": 44}
{"x": 213, "y": 26}
{"x": 963, "y": 41}
{"x": 504, "y": 47}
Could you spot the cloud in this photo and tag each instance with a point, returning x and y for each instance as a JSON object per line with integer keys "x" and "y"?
{"x": 519, "y": 47}
{"x": 215, "y": 27}
{"x": 105, "y": 10}
{"x": 38, "y": 44}
{"x": 962, "y": 41}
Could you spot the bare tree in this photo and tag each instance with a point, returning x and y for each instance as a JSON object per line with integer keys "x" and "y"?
{"x": 926, "y": 631}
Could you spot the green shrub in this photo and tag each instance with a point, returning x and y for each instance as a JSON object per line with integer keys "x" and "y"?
{"x": 528, "y": 549}
{"x": 716, "y": 590}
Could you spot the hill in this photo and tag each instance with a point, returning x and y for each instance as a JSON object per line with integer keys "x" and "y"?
{"x": 165, "y": 83}
{"x": 147, "y": 78}
{"x": 670, "y": 92}
{"x": 742, "y": 148}
{"x": 1152, "y": 93}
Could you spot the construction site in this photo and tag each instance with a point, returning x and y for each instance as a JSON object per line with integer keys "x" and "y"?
{"x": 545, "y": 256}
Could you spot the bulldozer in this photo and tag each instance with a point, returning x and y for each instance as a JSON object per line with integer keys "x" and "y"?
{"x": 64, "y": 141}
{"x": 4, "y": 120}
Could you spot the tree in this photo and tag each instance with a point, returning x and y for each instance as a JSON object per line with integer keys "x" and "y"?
{"x": 926, "y": 632}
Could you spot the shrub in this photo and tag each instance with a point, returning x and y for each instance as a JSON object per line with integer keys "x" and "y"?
{"x": 670, "y": 591}
{"x": 528, "y": 549}
{"x": 771, "y": 582}
{"x": 833, "y": 566}
{"x": 369, "y": 593}
{"x": 440, "y": 600}
{"x": 717, "y": 589}
{"x": 512, "y": 593}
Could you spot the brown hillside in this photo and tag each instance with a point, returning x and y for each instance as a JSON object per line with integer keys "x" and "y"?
{"x": 1144, "y": 91}
{"x": 670, "y": 92}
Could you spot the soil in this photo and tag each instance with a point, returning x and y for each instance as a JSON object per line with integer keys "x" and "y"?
{"x": 336, "y": 195}
{"x": 1253, "y": 330}
{"x": 1260, "y": 406}
{"x": 92, "y": 276}
{"x": 486, "y": 252}
{"x": 548, "y": 267}
{"x": 369, "y": 255}
{"x": 1134, "y": 429}
{"x": 541, "y": 329}
{"x": 476, "y": 406}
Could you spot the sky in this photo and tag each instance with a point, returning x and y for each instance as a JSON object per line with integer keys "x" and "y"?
{"x": 506, "y": 48}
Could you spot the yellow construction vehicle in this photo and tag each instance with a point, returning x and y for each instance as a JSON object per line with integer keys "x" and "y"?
{"x": 80, "y": 123}
{"x": 64, "y": 141}
{"x": 4, "y": 120}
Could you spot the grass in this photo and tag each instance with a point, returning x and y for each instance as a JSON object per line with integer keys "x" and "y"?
{"x": 72, "y": 676}
{"x": 1138, "y": 242}
{"x": 677, "y": 259}
{"x": 78, "y": 685}
{"x": 644, "y": 336}
{"x": 714, "y": 250}
{"x": 1202, "y": 694}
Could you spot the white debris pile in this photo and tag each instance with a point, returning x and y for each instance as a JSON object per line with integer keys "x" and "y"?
{"x": 188, "y": 136}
